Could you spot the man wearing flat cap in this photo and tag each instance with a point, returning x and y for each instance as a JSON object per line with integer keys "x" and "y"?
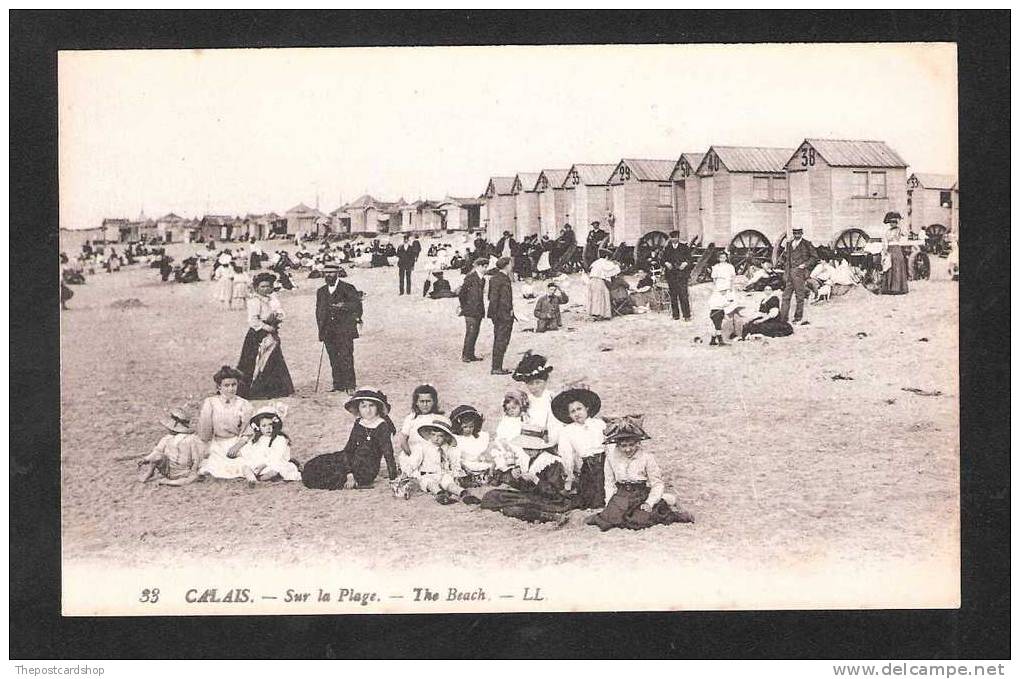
{"x": 338, "y": 313}
{"x": 501, "y": 311}
{"x": 472, "y": 307}
{"x": 797, "y": 261}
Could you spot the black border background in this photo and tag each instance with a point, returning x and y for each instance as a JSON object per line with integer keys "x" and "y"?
{"x": 980, "y": 629}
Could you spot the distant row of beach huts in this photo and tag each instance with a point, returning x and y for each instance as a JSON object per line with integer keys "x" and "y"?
{"x": 838, "y": 191}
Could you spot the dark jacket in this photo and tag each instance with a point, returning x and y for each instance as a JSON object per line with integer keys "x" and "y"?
{"x": 673, "y": 257}
{"x": 338, "y": 314}
{"x": 472, "y": 298}
{"x": 804, "y": 254}
{"x": 501, "y": 299}
{"x": 406, "y": 256}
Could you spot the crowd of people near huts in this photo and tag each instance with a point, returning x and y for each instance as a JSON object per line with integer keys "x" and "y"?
{"x": 550, "y": 454}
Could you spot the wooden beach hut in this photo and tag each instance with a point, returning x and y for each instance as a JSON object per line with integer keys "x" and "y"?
{"x": 588, "y": 197}
{"x": 501, "y": 207}
{"x": 460, "y": 214}
{"x": 743, "y": 198}
{"x": 841, "y": 189}
{"x": 552, "y": 202}
{"x": 302, "y": 220}
{"x": 370, "y": 216}
{"x": 525, "y": 204}
{"x": 933, "y": 201}
{"x": 687, "y": 195}
{"x": 642, "y": 195}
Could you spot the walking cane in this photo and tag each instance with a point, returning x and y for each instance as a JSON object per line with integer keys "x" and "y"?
{"x": 319, "y": 371}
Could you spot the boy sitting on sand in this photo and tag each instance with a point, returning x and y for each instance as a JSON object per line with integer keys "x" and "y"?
{"x": 177, "y": 456}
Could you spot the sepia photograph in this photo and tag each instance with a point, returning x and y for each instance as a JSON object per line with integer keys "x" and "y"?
{"x": 509, "y": 329}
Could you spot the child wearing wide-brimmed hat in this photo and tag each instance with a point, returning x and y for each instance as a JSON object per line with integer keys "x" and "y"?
{"x": 533, "y": 370}
{"x": 471, "y": 454}
{"x": 580, "y": 445}
{"x": 370, "y": 442}
{"x": 634, "y": 488}
{"x": 429, "y": 466}
{"x": 177, "y": 456}
{"x": 266, "y": 455}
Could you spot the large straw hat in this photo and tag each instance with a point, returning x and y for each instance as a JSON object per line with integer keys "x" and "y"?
{"x": 439, "y": 423}
{"x": 532, "y": 437}
{"x": 561, "y": 402}
{"x": 626, "y": 428}
{"x": 177, "y": 422}
{"x": 277, "y": 411}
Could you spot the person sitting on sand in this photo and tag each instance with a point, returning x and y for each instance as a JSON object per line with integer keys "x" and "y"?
{"x": 537, "y": 493}
{"x": 547, "y": 308}
{"x": 515, "y": 410}
{"x": 580, "y": 447}
{"x": 767, "y": 321}
{"x": 471, "y": 454}
{"x": 177, "y": 456}
{"x": 533, "y": 371}
{"x": 430, "y": 466}
{"x": 266, "y": 453}
{"x": 221, "y": 420}
{"x": 441, "y": 288}
{"x": 633, "y": 485}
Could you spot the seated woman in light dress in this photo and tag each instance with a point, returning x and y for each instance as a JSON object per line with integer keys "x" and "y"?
{"x": 221, "y": 421}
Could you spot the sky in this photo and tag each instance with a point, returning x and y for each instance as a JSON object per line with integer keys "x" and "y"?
{"x": 260, "y": 130}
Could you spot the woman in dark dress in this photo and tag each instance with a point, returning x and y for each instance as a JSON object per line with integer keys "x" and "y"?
{"x": 894, "y": 278}
{"x": 262, "y": 362}
{"x": 767, "y": 322}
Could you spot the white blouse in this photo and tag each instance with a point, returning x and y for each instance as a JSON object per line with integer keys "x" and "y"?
{"x": 260, "y": 307}
{"x": 578, "y": 441}
{"x": 471, "y": 453}
{"x": 540, "y": 414}
{"x": 642, "y": 468}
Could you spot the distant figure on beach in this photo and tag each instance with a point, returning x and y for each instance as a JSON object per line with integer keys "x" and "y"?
{"x": 894, "y": 260}
{"x": 405, "y": 265}
{"x": 501, "y": 311}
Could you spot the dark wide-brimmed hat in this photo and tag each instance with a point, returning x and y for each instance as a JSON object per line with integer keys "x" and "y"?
{"x": 626, "y": 428}
{"x": 532, "y": 437}
{"x": 441, "y": 424}
{"x": 561, "y": 402}
{"x": 177, "y": 422}
{"x": 465, "y": 412}
{"x": 889, "y": 216}
{"x": 367, "y": 394}
{"x": 531, "y": 367}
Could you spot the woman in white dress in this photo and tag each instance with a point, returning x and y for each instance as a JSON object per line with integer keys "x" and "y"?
{"x": 722, "y": 298}
{"x": 221, "y": 421}
{"x": 601, "y": 272}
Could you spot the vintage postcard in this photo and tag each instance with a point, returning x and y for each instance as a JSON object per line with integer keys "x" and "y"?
{"x": 509, "y": 329}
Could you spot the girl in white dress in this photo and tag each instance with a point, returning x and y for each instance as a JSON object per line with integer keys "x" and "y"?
{"x": 266, "y": 455}
{"x": 424, "y": 409}
{"x": 722, "y": 298}
{"x": 472, "y": 450}
{"x": 515, "y": 411}
{"x": 221, "y": 420}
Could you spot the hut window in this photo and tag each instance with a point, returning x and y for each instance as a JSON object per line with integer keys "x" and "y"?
{"x": 665, "y": 196}
{"x": 946, "y": 198}
{"x": 761, "y": 188}
{"x": 861, "y": 184}
{"x": 877, "y": 180}
{"x": 779, "y": 189}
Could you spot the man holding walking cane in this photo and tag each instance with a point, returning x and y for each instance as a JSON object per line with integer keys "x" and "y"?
{"x": 338, "y": 314}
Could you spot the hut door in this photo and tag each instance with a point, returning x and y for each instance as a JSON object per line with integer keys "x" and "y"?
{"x": 800, "y": 203}
{"x": 707, "y": 210}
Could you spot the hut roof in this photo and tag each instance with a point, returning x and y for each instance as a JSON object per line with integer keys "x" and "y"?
{"x": 856, "y": 153}
{"x": 170, "y": 217}
{"x": 751, "y": 158}
{"x": 943, "y": 182}
{"x": 526, "y": 181}
{"x": 502, "y": 186}
{"x": 650, "y": 170}
{"x": 592, "y": 174}
{"x": 692, "y": 159}
{"x": 300, "y": 208}
{"x": 554, "y": 177}
{"x": 463, "y": 202}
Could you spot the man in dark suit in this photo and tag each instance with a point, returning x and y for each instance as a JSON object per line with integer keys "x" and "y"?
{"x": 405, "y": 264}
{"x": 338, "y": 314}
{"x": 472, "y": 307}
{"x": 676, "y": 259}
{"x": 501, "y": 311}
{"x": 797, "y": 261}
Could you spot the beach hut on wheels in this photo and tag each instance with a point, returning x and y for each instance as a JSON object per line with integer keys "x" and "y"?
{"x": 841, "y": 190}
{"x": 642, "y": 195}
{"x": 552, "y": 202}
{"x": 525, "y": 205}
{"x": 933, "y": 201}
{"x": 588, "y": 198}
{"x": 743, "y": 201}
{"x": 501, "y": 206}
{"x": 687, "y": 196}
{"x": 460, "y": 214}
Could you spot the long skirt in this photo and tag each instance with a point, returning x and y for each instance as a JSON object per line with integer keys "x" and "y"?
{"x": 624, "y": 510}
{"x": 217, "y": 463}
{"x": 526, "y": 506}
{"x": 274, "y": 379}
{"x": 894, "y": 281}
{"x": 770, "y": 327}
{"x": 591, "y": 485}
{"x": 598, "y": 299}
{"x": 326, "y": 472}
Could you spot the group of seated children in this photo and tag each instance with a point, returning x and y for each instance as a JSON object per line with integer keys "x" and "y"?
{"x": 549, "y": 454}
